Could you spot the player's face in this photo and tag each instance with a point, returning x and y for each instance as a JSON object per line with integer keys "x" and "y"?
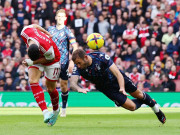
{"x": 81, "y": 63}
{"x": 60, "y": 18}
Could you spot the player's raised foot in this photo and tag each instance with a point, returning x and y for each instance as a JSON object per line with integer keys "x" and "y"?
{"x": 53, "y": 119}
{"x": 161, "y": 116}
{"x": 47, "y": 117}
{"x": 63, "y": 112}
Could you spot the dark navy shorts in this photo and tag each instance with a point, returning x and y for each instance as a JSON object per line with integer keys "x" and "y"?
{"x": 64, "y": 71}
{"x": 116, "y": 96}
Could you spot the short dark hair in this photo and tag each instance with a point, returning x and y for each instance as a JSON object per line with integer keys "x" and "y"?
{"x": 33, "y": 52}
{"x": 79, "y": 53}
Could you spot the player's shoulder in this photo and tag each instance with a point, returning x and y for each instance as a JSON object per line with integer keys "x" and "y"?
{"x": 29, "y": 26}
{"x": 99, "y": 55}
{"x": 51, "y": 27}
{"x": 66, "y": 29}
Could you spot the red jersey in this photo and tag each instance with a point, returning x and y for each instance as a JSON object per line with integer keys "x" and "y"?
{"x": 47, "y": 47}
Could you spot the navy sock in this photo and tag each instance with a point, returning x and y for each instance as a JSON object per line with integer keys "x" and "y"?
{"x": 148, "y": 100}
{"x": 64, "y": 96}
{"x": 137, "y": 102}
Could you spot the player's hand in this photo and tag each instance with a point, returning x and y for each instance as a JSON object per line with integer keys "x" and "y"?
{"x": 29, "y": 62}
{"x": 24, "y": 63}
{"x": 83, "y": 91}
{"x": 124, "y": 92}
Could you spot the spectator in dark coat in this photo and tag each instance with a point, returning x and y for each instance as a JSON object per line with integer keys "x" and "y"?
{"x": 172, "y": 46}
{"x": 118, "y": 29}
{"x": 9, "y": 84}
{"x": 77, "y": 23}
{"x": 152, "y": 50}
{"x": 168, "y": 85}
{"x": 177, "y": 24}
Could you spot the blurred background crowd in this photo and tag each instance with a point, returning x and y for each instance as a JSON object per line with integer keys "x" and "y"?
{"x": 141, "y": 36}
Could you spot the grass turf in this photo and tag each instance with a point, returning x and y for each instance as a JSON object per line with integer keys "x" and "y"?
{"x": 90, "y": 121}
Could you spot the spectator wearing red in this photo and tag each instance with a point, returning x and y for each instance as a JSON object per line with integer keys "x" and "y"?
{"x": 135, "y": 75}
{"x": 32, "y": 14}
{"x": 163, "y": 51}
{"x": 7, "y": 51}
{"x": 130, "y": 33}
{"x": 143, "y": 33}
{"x": 176, "y": 58}
{"x": 173, "y": 73}
{"x": 8, "y": 10}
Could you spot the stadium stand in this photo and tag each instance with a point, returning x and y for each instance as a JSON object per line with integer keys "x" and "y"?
{"x": 137, "y": 33}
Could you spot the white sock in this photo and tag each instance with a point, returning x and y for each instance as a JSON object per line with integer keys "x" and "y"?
{"x": 45, "y": 111}
{"x": 155, "y": 108}
{"x": 57, "y": 111}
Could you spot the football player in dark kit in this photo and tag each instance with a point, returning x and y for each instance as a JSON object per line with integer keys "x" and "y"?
{"x": 99, "y": 69}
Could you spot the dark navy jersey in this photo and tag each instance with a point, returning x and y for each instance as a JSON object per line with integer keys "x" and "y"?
{"x": 98, "y": 72}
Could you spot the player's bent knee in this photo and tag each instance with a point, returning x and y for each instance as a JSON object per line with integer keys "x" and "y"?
{"x": 31, "y": 81}
{"x": 131, "y": 108}
{"x": 64, "y": 86}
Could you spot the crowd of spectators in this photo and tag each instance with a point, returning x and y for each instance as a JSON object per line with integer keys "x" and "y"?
{"x": 141, "y": 36}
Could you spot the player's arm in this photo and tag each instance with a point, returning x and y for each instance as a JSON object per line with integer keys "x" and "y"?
{"x": 49, "y": 57}
{"x": 41, "y": 29}
{"x": 74, "y": 84}
{"x": 29, "y": 62}
{"x": 72, "y": 39}
{"x": 75, "y": 46}
{"x": 119, "y": 77}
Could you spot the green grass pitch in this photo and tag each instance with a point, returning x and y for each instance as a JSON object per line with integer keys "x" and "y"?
{"x": 90, "y": 121}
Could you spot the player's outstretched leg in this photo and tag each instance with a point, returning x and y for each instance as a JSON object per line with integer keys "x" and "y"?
{"x": 160, "y": 115}
{"x": 55, "y": 103}
{"x": 47, "y": 116}
{"x": 146, "y": 99}
{"x": 39, "y": 96}
{"x": 53, "y": 119}
{"x": 64, "y": 96}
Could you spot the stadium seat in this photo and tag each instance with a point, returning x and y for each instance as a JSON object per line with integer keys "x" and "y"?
{"x": 177, "y": 82}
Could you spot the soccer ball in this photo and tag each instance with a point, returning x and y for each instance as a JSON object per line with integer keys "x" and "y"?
{"x": 95, "y": 41}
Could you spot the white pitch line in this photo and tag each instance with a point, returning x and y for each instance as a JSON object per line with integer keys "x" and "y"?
{"x": 83, "y": 111}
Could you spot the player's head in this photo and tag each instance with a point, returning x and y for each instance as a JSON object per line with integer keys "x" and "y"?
{"x": 80, "y": 58}
{"x": 60, "y": 17}
{"x": 33, "y": 52}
